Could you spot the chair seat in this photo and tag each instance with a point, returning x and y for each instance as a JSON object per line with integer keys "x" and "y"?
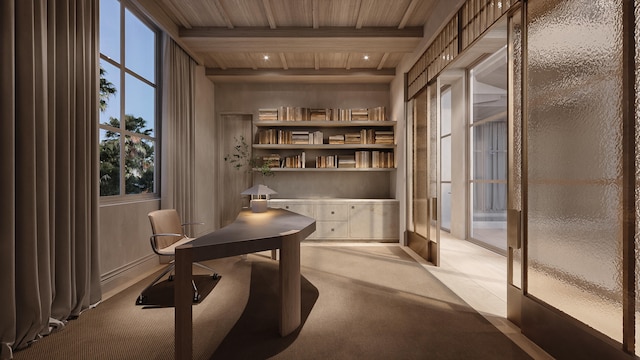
{"x": 171, "y": 249}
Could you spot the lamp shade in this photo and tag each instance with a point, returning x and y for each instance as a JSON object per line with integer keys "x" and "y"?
{"x": 259, "y": 190}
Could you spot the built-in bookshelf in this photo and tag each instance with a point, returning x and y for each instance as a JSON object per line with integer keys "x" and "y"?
{"x": 328, "y": 139}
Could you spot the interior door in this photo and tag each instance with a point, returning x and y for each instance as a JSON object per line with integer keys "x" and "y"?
{"x": 574, "y": 177}
{"x": 424, "y": 232}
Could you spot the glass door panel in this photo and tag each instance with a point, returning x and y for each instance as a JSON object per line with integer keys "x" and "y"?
{"x": 574, "y": 159}
{"x": 420, "y": 200}
{"x": 488, "y": 144}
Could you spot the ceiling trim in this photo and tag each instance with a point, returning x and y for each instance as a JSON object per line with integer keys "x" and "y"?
{"x": 383, "y": 76}
{"x": 298, "y": 32}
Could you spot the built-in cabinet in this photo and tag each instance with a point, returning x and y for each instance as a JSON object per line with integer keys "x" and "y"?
{"x": 347, "y": 219}
{"x": 336, "y": 165}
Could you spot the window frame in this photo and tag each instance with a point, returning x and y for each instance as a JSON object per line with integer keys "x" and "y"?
{"x": 122, "y": 131}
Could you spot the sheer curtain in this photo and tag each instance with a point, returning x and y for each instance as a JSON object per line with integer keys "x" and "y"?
{"x": 49, "y": 269}
{"x": 178, "y": 137}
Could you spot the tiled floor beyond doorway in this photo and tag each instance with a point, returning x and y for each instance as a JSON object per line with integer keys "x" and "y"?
{"x": 479, "y": 276}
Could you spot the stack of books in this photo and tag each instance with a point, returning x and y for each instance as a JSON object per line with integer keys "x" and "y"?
{"x": 267, "y": 114}
{"x": 336, "y": 139}
{"x": 301, "y": 137}
{"x": 384, "y": 137}
{"x": 352, "y": 138}
{"x": 359, "y": 114}
{"x": 272, "y": 161}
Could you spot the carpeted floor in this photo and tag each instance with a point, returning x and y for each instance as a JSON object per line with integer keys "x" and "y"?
{"x": 361, "y": 302}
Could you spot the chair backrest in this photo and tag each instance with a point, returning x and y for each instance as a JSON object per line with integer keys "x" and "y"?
{"x": 166, "y": 222}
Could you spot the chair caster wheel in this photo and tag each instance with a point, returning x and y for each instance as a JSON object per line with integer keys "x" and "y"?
{"x": 215, "y": 276}
{"x": 140, "y": 300}
{"x": 171, "y": 277}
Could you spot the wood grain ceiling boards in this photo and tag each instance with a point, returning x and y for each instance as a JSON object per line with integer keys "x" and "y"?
{"x": 312, "y": 37}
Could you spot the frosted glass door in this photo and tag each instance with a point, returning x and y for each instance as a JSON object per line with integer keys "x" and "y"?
{"x": 574, "y": 164}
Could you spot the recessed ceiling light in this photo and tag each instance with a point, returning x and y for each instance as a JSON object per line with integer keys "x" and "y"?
{"x": 266, "y": 57}
{"x": 366, "y": 57}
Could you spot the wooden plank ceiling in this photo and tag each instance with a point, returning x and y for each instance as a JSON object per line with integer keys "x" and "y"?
{"x": 321, "y": 39}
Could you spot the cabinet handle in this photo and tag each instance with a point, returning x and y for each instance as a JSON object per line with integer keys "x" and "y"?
{"x": 331, "y": 229}
{"x": 286, "y": 207}
{"x": 353, "y": 207}
{"x": 332, "y": 213}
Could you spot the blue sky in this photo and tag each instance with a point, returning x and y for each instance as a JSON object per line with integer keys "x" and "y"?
{"x": 139, "y": 57}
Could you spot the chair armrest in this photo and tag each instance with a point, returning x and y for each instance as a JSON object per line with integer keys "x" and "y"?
{"x": 190, "y": 223}
{"x": 167, "y": 234}
{"x": 153, "y": 237}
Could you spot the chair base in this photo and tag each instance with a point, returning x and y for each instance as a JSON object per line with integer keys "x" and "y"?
{"x": 196, "y": 294}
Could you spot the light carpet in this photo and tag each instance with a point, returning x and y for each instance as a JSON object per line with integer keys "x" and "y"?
{"x": 358, "y": 302}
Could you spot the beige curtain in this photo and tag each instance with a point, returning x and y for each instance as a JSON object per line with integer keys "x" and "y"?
{"x": 178, "y": 137}
{"x": 49, "y": 189}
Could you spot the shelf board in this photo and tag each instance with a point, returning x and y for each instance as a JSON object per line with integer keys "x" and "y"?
{"x": 324, "y": 146}
{"x": 324, "y": 123}
{"x": 328, "y": 169}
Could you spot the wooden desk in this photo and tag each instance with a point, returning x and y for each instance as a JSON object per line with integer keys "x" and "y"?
{"x": 249, "y": 233}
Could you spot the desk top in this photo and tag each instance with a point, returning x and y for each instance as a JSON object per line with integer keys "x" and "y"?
{"x": 252, "y": 232}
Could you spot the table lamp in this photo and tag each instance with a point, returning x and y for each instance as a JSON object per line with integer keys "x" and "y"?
{"x": 258, "y": 203}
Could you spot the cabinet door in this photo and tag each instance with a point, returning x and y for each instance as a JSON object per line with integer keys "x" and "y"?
{"x": 373, "y": 221}
{"x": 332, "y": 212}
{"x": 331, "y": 230}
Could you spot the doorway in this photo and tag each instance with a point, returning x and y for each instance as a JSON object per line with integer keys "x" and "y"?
{"x": 488, "y": 151}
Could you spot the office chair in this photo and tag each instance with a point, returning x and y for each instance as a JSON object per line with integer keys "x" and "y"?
{"x": 168, "y": 233}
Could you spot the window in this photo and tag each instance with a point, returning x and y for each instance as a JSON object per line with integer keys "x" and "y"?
{"x": 129, "y": 91}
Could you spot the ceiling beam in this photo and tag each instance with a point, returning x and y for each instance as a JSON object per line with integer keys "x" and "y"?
{"x": 383, "y": 60}
{"x": 297, "y": 32}
{"x": 269, "y": 13}
{"x": 315, "y": 14}
{"x": 360, "y": 17}
{"x": 283, "y": 59}
{"x": 300, "y": 72}
{"x": 407, "y": 14}
{"x": 302, "y": 45}
{"x": 223, "y": 13}
{"x": 316, "y": 61}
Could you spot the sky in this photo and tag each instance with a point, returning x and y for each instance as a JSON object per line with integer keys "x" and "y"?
{"x": 138, "y": 57}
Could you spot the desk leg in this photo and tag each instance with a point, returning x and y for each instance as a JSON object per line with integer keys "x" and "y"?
{"x": 183, "y": 298}
{"x": 290, "y": 311}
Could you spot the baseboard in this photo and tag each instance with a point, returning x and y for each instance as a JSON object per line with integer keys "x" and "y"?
{"x": 120, "y": 278}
